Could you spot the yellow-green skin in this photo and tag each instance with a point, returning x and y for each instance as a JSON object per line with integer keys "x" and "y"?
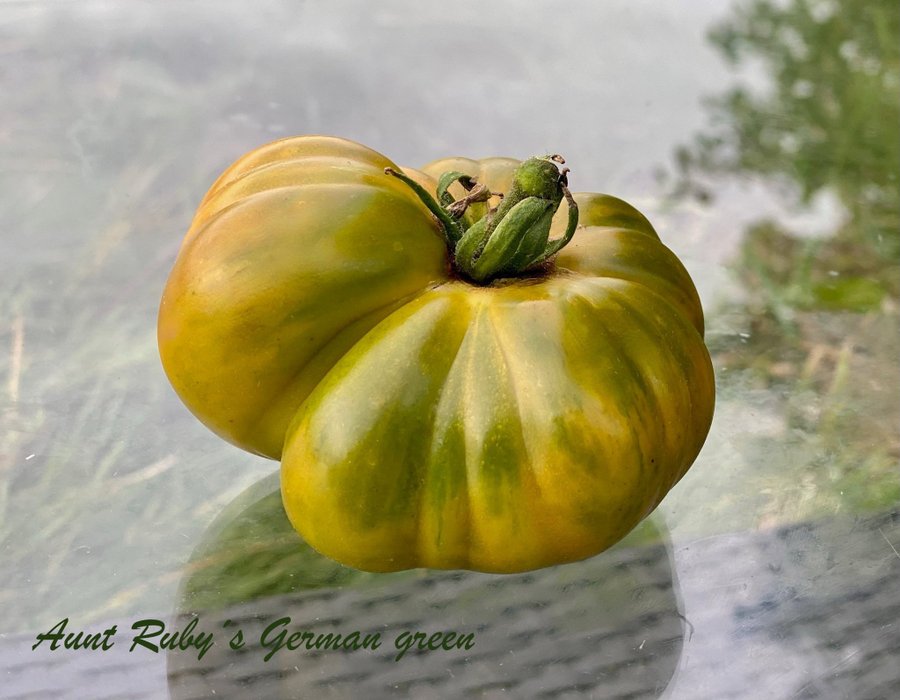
{"x": 421, "y": 420}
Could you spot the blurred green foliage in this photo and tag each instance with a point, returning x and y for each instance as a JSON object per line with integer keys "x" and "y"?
{"x": 818, "y": 320}
{"x": 827, "y": 122}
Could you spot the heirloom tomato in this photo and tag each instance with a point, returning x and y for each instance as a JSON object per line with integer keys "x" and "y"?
{"x": 451, "y": 378}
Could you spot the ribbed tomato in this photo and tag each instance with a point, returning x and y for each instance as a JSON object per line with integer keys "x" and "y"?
{"x": 445, "y": 387}
{"x": 295, "y": 253}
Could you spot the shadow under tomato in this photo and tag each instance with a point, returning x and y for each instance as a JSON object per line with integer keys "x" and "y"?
{"x": 609, "y": 625}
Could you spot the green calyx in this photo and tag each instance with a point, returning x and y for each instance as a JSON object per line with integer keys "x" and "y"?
{"x": 512, "y": 239}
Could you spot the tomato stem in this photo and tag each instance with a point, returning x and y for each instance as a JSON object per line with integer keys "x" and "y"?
{"x": 452, "y": 230}
{"x": 512, "y": 239}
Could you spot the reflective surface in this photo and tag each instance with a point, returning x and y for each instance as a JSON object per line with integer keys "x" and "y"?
{"x": 759, "y": 138}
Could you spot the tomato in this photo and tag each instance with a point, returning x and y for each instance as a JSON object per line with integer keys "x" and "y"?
{"x": 295, "y": 253}
{"x": 445, "y": 384}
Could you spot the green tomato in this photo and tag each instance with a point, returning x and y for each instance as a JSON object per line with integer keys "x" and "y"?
{"x": 491, "y": 401}
{"x": 297, "y": 251}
